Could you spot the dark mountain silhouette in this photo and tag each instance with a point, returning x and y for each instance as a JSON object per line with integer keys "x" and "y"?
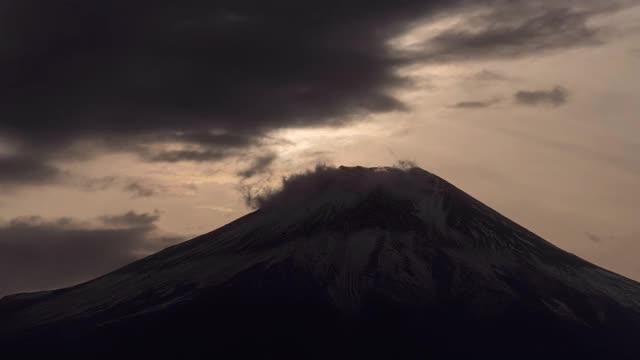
{"x": 344, "y": 263}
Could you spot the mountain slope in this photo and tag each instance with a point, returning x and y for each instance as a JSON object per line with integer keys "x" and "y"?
{"x": 345, "y": 262}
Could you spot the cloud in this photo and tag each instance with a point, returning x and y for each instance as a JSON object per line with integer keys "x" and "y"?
{"x": 259, "y": 165}
{"x": 555, "y": 97}
{"x": 475, "y": 104}
{"x": 515, "y": 30}
{"x": 139, "y": 189}
{"x": 208, "y": 80}
{"x": 216, "y": 208}
{"x": 489, "y": 76}
{"x": 142, "y": 76}
{"x": 302, "y": 187}
{"x": 23, "y": 170}
{"x": 594, "y": 238}
{"x": 131, "y": 219}
{"x": 38, "y": 254}
{"x": 97, "y": 184}
{"x": 199, "y": 155}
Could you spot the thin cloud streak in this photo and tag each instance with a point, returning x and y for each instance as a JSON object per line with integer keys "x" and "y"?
{"x": 555, "y": 97}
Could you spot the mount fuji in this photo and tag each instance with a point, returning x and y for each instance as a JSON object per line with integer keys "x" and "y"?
{"x": 345, "y": 262}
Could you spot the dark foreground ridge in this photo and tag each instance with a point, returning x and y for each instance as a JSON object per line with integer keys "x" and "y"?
{"x": 344, "y": 263}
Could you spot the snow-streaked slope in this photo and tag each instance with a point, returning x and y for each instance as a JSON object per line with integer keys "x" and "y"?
{"x": 403, "y": 237}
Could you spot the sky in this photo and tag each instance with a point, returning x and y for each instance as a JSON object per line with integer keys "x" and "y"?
{"x": 128, "y": 126}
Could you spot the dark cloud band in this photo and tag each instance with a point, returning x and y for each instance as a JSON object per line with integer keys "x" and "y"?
{"x": 38, "y": 254}
{"x": 205, "y": 80}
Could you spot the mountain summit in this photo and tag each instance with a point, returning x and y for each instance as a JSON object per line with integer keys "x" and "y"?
{"x": 342, "y": 263}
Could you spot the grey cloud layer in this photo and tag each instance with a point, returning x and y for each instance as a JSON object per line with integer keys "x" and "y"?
{"x": 40, "y": 254}
{"x": 22, "y": 170}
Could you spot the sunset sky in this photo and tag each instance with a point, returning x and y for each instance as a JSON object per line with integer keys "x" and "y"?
{"x": 128, "y": 126}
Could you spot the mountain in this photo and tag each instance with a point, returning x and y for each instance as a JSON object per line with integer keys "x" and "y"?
{"x": 344, "y": 263}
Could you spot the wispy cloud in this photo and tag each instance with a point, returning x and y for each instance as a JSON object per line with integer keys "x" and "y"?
{"x": 489, "y": 76}
{"x": 481, "y": 104}
{"x": 556, "y": 96}
{"x": 259, "y": 165}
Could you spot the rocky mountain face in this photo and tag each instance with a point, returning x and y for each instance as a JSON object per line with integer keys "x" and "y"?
{"x": 343, "y": 263}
